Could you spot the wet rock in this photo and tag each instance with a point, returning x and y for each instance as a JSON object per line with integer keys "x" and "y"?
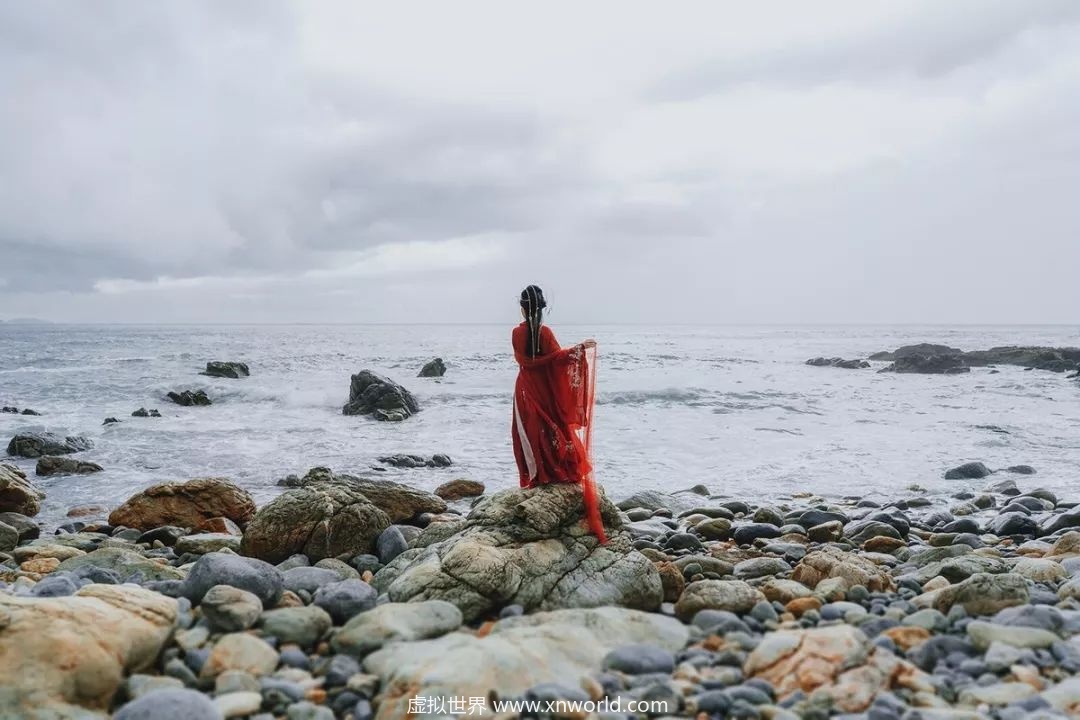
{"x": 35, "y": 445}
{"x": 747, "y": 534}
{"x": 435, "y": 368}
{"x": 17, "y": 494}
{"x": 761, "y": 567}
{"x": 390, "y": 544}
{"x": 1061, "y": 521}
{"x": 968, "y": 471}
{"x": 460, "y": 488}
{"x": 379, "y": 397}
{"x": 830, "y": 531}
{"x": 836, "y": 362}
{"x": 639, "y": 659}
{"x": 416, "y": 461}
{"x": 110, "y": 421}
{"x": 143, "y": 412}
{"x": 52, "y": 465}
{"x": 101, "y": 633}
{"x": 186, "y": 504}
{"x": 528, "y": 547}
{"x": 190, "y": 398}
{"x": 234, "y": 370}
{"x": 928, "y": 364}
{"x": 29, "y": 530}
{"x": 1021, "y": 469}
{"x": 1013, "y": 523}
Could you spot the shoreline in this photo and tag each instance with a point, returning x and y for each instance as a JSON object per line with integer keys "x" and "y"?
{"x": 796, "y": 608}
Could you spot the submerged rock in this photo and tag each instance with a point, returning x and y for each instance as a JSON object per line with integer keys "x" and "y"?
{"x": 17, "y": 494}
{"x": 186, "y": 504}
{"x": 415, "y": 461}
{"x": 526, "y": 547}
{"x": 855, "y": 364}
{"x": 143, "y": 412}
{"x": 51, "y": 465}
{"x": 234, "y": 370}
{"x": 34, "y": 445}
{"x": 380, "y": 397}
{"x": 968, "y": 471}
{"x": 435, "y": 368}
{"x": 189, "y": 398}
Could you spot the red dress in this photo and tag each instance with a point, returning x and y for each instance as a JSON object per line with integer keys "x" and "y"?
{"x": 552, "y": 421}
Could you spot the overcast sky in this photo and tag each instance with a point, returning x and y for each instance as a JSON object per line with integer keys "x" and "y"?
{"x": 724, "y": 162}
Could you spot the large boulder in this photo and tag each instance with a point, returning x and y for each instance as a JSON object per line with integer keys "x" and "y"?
{"x": 400, "y": 502}
{"x": 837, "y": 662}
{"x": 919, "y": 349}
{"x": 380, "y": 397}
{"x": 564, "y": 647}
{"x": 929, "y": 365}
{"x": 320, "y": 520}
{"x": 234, "y": 370}
{"x": 56, "y": 653}
{"x": 528, "y": 547}
{"x": 17, "y": 495}
{"x": 189, "y": 398}
{"x": 53, "y": 465}
{"x": 435, "y": 368}
{"x": 36, "y": 444}
{"x": 186, "y": 504}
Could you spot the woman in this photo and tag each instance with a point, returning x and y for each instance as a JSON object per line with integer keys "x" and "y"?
{"x": 553, "y": 405}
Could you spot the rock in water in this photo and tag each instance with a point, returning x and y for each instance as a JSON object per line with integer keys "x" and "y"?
{"x": 188, "y": 398}
{"x": 435, "y": 368}
{"x": 528, "y": 547}
{"x": 186, "y": 504}
{"x": 383, "y": 399}
{"x": 968, "y": 471}
{"x": 17, "y": 495}
{"x": 33, "y": 445}
{"x": 234, "y": 370}
{"x": 76, "y": 650}
{"x": 415, "y": 461}
{"x": 143, "y": 412}
{"x": 51, "y": 465}
{"x": 929, "y": 365}
{"x": 917, "y": 350}
{"x": 836, "y": 362}
{"x": 564, "y": 646}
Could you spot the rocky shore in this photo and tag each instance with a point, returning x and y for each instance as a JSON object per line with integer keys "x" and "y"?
{"x": 348, "y": 597}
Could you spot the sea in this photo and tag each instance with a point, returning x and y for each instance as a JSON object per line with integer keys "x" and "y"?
{"x": 734, "y": 408}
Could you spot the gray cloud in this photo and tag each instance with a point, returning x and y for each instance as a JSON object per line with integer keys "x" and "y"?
{"x": 296, "y": 162}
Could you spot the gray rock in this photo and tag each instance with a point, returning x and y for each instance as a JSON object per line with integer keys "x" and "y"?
{"x": 53, "y": 465}
{"x": 257, "y": 577}
{"x": 190, "y": 398}
{"x": 304, "y": 626}
{"x": 234, "y": 370}
{"x": 28, "y": 529}
{"x": 170, "y": 704}
{"x": 435, "y": 368}
{"x": 968, "y": 471}
{"x": 37, "y": 444}
{"x": 390, "y": 544}
{"x": 345, "y": 599}
{"x": 9, "y": 537}
{"x": 125, "y": 563}
{"x": 527, "y": 547}
{"x": 396, "y": 622}
{"x": 203, "y": 543}
{"x": 230, "y": 609}
{"x": 308, "y": 579}
{"x": 761, "y": 567}
{"x": 639, "y": 659}
{"x": 732, "y": 595}
{"x": 379, "y": 397}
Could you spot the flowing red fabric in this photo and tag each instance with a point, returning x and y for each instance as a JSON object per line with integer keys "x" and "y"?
{"x": 553, "y": 411}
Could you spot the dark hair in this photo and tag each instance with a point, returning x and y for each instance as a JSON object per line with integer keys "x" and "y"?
{"x": 533, "y": 303}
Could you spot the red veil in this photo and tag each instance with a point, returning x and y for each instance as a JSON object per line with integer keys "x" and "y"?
{"x": 553, "y": 412}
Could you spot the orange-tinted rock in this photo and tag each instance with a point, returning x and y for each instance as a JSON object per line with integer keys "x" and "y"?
{"x": 88, "y": 511}
{"x": 186, "y": 504}
{"x": 220, "y": 525}
{"x": 17, "y": 494}
{"x": 460, "y": 488}
{"x": 829, "y": 562}
{"x": 883, "y": 544}
{"x": 907, "y": 637}
{"x": 672, "y": 580}
{"x": 800, "y": 605}
{"x": 40, "y": 565}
